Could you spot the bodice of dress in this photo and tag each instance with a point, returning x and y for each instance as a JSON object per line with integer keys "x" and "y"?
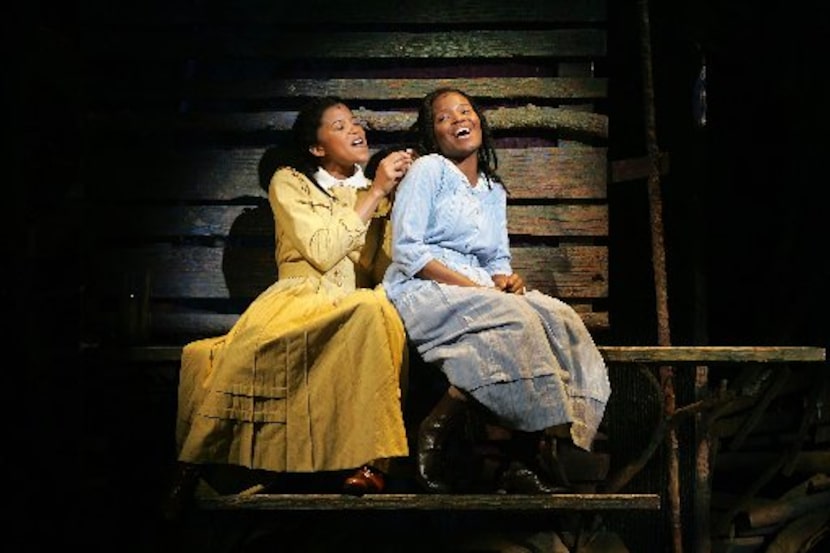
{"x": 318, "y": 233}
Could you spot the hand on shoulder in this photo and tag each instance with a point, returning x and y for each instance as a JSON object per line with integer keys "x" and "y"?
{"x": 391, "y": 170}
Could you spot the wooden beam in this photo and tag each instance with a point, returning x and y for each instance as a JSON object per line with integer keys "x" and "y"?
{"x": 319, "y": 12}
{"x": 147, "y": 224}
{"x": 481, "y": 88}
{"x": 612, "y": 354}
{"x": 431, "y": 502}
{"x": 712, "y": 354}
{"x": 637, "y": 168}
{"x": 180, "y": 174}
{"x": 226, "y": 43}
{"x": 527, "y": 117}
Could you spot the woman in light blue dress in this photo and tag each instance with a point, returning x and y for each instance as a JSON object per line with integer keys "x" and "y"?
{"x": 524, "y": 357}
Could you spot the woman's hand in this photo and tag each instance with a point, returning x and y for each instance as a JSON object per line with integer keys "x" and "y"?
{"x": 391, "y": 170}
{"x": 512, "y": 284}
{"x": 388, "y": 174}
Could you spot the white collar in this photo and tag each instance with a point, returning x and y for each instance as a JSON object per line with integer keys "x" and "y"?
{"x": 483, "y": 180}
{"x": 326, "y": 180}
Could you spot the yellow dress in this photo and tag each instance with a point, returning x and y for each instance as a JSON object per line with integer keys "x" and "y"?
{"x": 309, "y": 378}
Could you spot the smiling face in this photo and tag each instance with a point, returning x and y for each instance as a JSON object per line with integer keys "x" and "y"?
{"x": 457, "y": 126}
{"x": 341, "y": 142}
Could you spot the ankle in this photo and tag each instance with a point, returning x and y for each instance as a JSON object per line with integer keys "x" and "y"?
{"x": 456, "y": 393}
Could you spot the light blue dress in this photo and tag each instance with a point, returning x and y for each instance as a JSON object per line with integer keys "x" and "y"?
{"x": 528, "y": 358}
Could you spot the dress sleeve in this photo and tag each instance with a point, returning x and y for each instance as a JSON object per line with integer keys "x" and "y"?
{"x": 411, "y": 213}
{"x": 375, "y": 256}
{"x": 323, "y": 228}
{"x": 500, "y": 262}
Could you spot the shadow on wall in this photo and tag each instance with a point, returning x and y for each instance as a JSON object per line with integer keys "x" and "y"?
{"x": 248, "y": 262}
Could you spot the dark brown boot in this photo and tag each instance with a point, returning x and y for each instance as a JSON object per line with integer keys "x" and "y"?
{"x": 520, "y": 479}
{"x": 571, "y": 466}
{"x": 446, "y": 416}
{"x": 521, "y": 473}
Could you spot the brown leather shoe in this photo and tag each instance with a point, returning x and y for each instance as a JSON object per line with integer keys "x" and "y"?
{"x": 365, "y": 480}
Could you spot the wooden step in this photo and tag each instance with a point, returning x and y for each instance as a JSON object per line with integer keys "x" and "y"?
{"x": 431, "y": 502}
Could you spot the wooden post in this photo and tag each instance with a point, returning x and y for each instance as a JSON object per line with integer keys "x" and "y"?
{"x": 658, "y": 259}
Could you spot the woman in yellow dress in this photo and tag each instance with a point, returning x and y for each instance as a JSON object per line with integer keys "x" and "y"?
{"x": 309, "y": 377}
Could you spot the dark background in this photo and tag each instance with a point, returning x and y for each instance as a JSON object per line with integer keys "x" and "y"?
{"x": 743, "y": 203}
{"x": 744, "y": 212}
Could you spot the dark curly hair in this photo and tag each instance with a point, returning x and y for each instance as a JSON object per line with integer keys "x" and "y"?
{"x": 424, "y": 132}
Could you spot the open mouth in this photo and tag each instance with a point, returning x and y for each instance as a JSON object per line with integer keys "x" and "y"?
{"x": 462, "y": 132}
{"x": 358, "y": 142}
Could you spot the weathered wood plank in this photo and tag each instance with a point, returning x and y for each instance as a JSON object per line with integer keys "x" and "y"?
{"x": 215, "y": 175}
{"x": 276, "y": 43}
{"x": 169, "y": 321}
{"x": 527, "y": 117}
{"x": 595, "y": 318}
{"x": 612, "y": 354}
{"x": 188, "y": 271}
{"x": 558, "y": 220}
{"x": 557, "y": 88}
{"x": 319, "y": 12}
{"x": 432, "y": 502}
{"x": 173, "y": 323}
{"x": 637, "y": 168}
{"x": 564, "y": 272}
{"x": 242, "y": 271}
{"x": 193, "y": 324}
{"x": 713, "y": 354}
{"x": 154, "y": 222}
{"x": 554, "y": 173}
{"x": 153, "y": 126}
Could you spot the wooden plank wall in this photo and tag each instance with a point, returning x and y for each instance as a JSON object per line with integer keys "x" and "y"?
{"x": 186, "y": 100}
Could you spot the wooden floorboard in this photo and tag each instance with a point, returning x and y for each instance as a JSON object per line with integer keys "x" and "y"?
{"x": 432, "y": 502}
